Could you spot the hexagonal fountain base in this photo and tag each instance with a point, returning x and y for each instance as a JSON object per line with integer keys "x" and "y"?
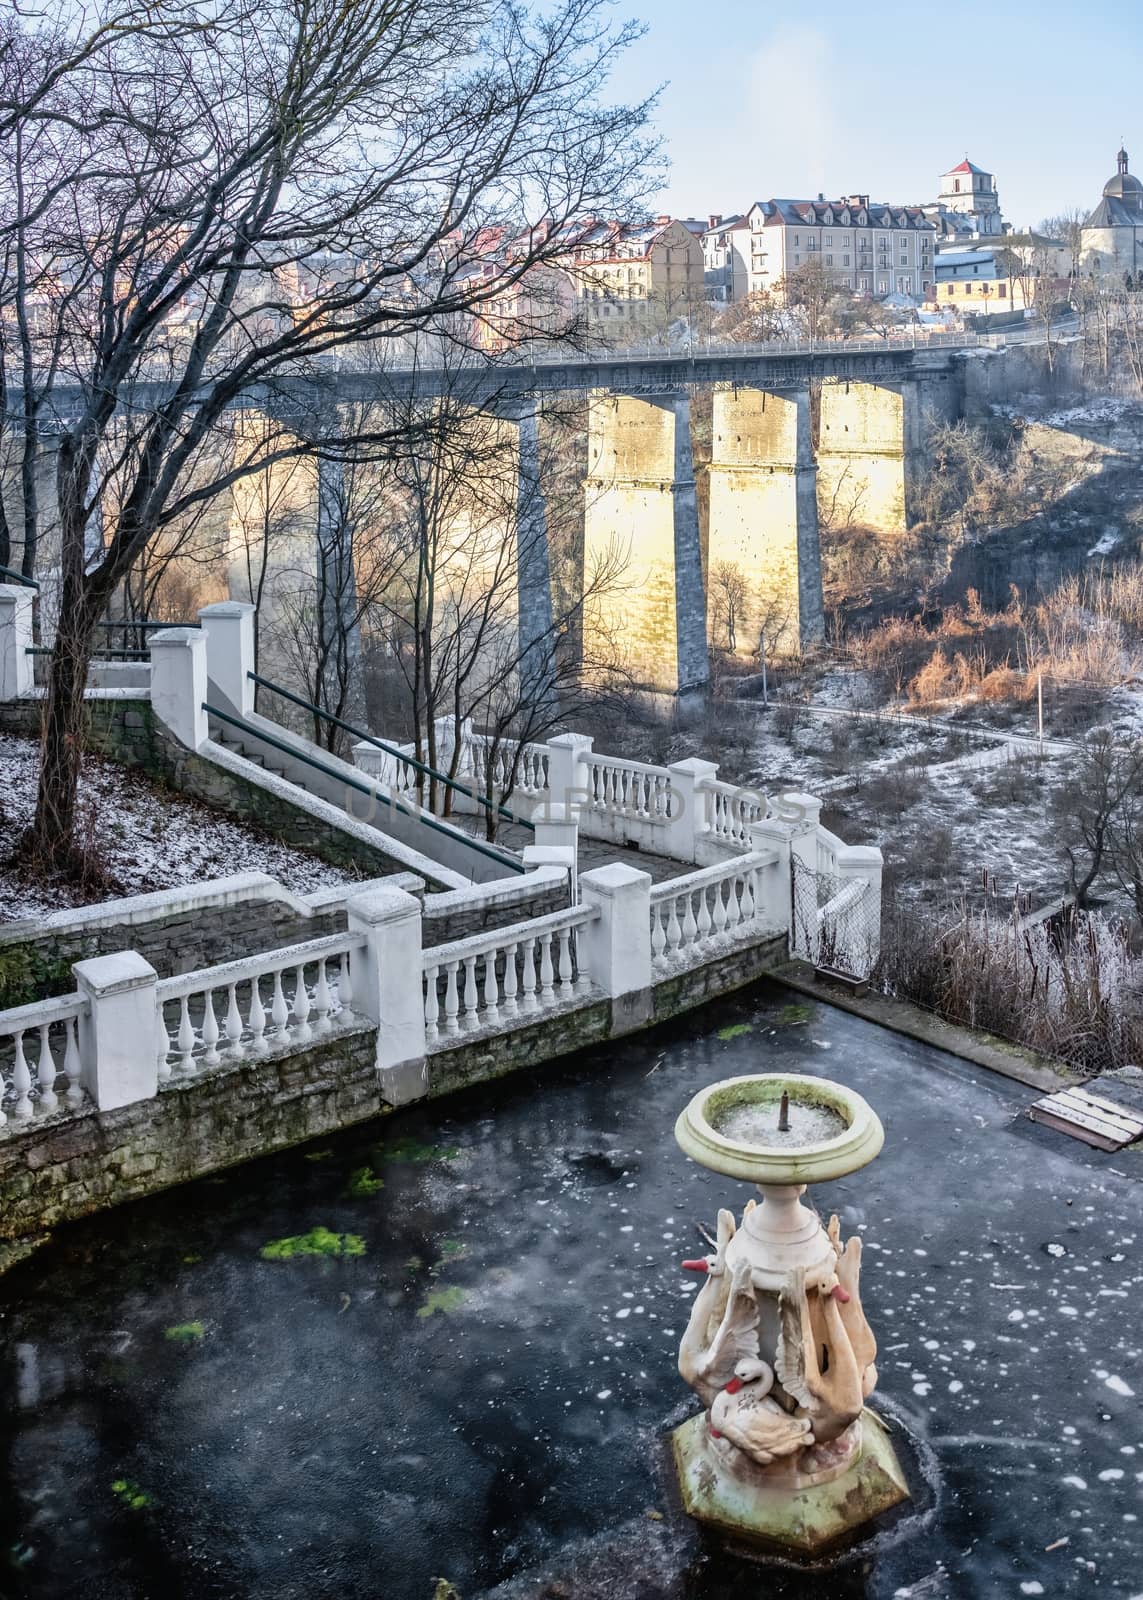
{"x": 799, "y": 1522}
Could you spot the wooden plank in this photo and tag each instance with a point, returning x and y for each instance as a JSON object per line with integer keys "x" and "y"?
{"x": 1110, "y": 1117}
{"x": 1076, "y": 1095}
{"x": 1038, "y": 1113}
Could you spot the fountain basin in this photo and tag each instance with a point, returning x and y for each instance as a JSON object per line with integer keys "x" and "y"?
{"x": 732, "y": 1128}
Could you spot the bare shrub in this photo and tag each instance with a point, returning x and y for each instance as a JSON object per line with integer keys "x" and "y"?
{"x": 1072, "y": 993}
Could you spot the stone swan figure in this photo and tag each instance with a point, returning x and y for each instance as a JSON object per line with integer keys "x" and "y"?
{"x": 826, "y": 1349}
{"x": 719, "y": 1358}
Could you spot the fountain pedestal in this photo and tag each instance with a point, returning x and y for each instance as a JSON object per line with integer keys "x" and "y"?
{"x": 785, "y": 1456}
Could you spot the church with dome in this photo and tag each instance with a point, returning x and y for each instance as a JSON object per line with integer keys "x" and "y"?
{"x": 1113, "y": 234}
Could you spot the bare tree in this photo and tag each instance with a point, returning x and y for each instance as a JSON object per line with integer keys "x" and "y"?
{"x": 1099, "y": 805}
{"x": 205, "y": 200}
{"x": 1067, "y": 228}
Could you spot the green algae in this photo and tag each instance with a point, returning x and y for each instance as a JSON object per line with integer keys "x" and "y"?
{"x": 792, "y": 1014}
{"x": 191, "y": 1260}
{"x": 130, "y": 1495}
{"x": 735, "y": 1030}
{"x": 446, "y": 1301}
{"x": 364, "y": 1182}
{"x": 185, "y": 1333}
{"x": 412, "y": 1150}
{"x": 318, "y": 1242}
{"x": 317, "y": 1155}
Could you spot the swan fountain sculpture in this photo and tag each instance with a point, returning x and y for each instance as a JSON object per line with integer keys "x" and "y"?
{"x": 785, "y": 1454}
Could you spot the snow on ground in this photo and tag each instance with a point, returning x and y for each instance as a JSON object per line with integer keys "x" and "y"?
{"x": 146, "y": 837}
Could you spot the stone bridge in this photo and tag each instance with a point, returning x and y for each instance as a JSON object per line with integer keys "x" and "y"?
{"x": 799, "y": 429}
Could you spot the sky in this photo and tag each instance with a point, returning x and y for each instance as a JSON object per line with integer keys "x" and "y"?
{"x": 841, "y": 98}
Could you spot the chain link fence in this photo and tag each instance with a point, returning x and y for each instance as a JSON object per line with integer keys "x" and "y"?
{"x": 836, "y": 921}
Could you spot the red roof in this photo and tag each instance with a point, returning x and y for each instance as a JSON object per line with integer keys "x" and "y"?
{"x": 967, "y": 166}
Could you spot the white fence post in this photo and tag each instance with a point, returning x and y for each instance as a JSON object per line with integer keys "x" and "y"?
{"x": 119, "y": 1039}
{"x": 865, "y": 861}
{"x": 178, "y": 683}
{"x": 688, "y": 806}
{"x": 567, "y": 783}
{"x": 803, "y": 813}
{"x": 775, "y": 890}
{"x": 229, "y": 631}
{"x": 615, "y": 948}
{"x": 388, "y": 986}
{"x": 16, "y": 674}
{"x": 556, "y": 842}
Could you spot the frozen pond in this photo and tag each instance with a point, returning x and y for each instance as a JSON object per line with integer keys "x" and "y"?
{"x": 202, "y": 1403}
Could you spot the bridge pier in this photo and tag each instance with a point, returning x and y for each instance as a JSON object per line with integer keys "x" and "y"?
{"x": 642, "y": 516}
{"x": 533, "y": 567}
{"x": 763, "y": 535}
{"x": 870, "y": 453}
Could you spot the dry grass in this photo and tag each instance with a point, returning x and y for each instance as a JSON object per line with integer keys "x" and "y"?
{"x": 1073, "y": 992}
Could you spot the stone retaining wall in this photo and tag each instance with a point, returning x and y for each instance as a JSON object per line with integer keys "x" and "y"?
{"x": 125, "y": 728}
{"x": 71, "y": 1165}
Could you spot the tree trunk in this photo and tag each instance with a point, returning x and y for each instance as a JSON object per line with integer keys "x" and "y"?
{"x": 52, "y": 840}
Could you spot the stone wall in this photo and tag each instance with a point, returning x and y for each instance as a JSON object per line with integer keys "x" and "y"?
{"x": 68, "y": 1166}
{"x": 126, "y": 729}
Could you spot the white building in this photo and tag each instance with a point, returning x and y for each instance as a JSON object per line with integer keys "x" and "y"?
{"x": 1113, "y": 234}
{"x": 968, "y": 206}
{"x": 869, "y": 248}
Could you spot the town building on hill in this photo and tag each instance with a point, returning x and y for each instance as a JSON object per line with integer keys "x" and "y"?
{"x": 1112, "y": 237}
{"x": 726, "y": 255}
{"x": 626, "y": 276}
{"x": 869, "y": 248}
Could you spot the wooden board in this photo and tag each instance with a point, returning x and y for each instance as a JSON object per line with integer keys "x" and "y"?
{"x": 1083, "y": 1115}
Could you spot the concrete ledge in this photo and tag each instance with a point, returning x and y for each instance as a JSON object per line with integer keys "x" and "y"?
{"x": 901, "y": 1016}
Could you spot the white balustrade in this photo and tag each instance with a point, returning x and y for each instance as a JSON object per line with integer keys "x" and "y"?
{"x": 484, "y": 752}
{"x": 39, "y": 1058}
{"x": 689, "y": 915}
{"x": 242, "y": 1008}
{"x": 731, "y": 811}
{"x": 493, "y": 979}
{"x": 628, "y": 789}
{"x": 828, "y": 845}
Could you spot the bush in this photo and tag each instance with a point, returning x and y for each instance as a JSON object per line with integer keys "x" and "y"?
{"x": 1073, "y": 991}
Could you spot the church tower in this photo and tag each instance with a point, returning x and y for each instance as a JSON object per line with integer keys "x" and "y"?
{"x": 970, "y": 191}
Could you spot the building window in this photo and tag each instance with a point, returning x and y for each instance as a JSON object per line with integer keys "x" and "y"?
{"x": 829, "y": 238}
{"x": 883, "y": 287}
{"x": 968, "y": 288}
{"x": 796, "y": 239}
{"x": 950, "y": 290}
{"x": 956, "y": 186}
{"x": 1002, "y": 291}
{"x": 829, "y": 261}
{"x": 845, "y": 261}
{"x": 864, "y": 284}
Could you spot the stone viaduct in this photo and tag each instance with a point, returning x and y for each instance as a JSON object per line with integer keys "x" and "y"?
{"x": 794, "y": 430}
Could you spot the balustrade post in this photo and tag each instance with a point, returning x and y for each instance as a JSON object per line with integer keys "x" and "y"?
{"x": 615, "y": 947}
{"x": 688, "y": 806}
{"x": 16, "y": 675}
{"x": 178, "y": 683}
{"x": 119, "y": 1037}
{"x": 773, "y": 896}
{"x": 556, "y": 842}
{"x": 865, "y": 861}
{"x": 388, "y": 987}
{"x": 229, "y": 631}
{"x": 567, "y": 779}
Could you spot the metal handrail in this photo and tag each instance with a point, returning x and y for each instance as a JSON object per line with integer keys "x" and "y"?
{"x": 18, "y": 577}
{"x": 139, "y": 622}
{"x": 371, "y": 792}
{"x": 390, "y": 750}
{"x": 96, "y": 655}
